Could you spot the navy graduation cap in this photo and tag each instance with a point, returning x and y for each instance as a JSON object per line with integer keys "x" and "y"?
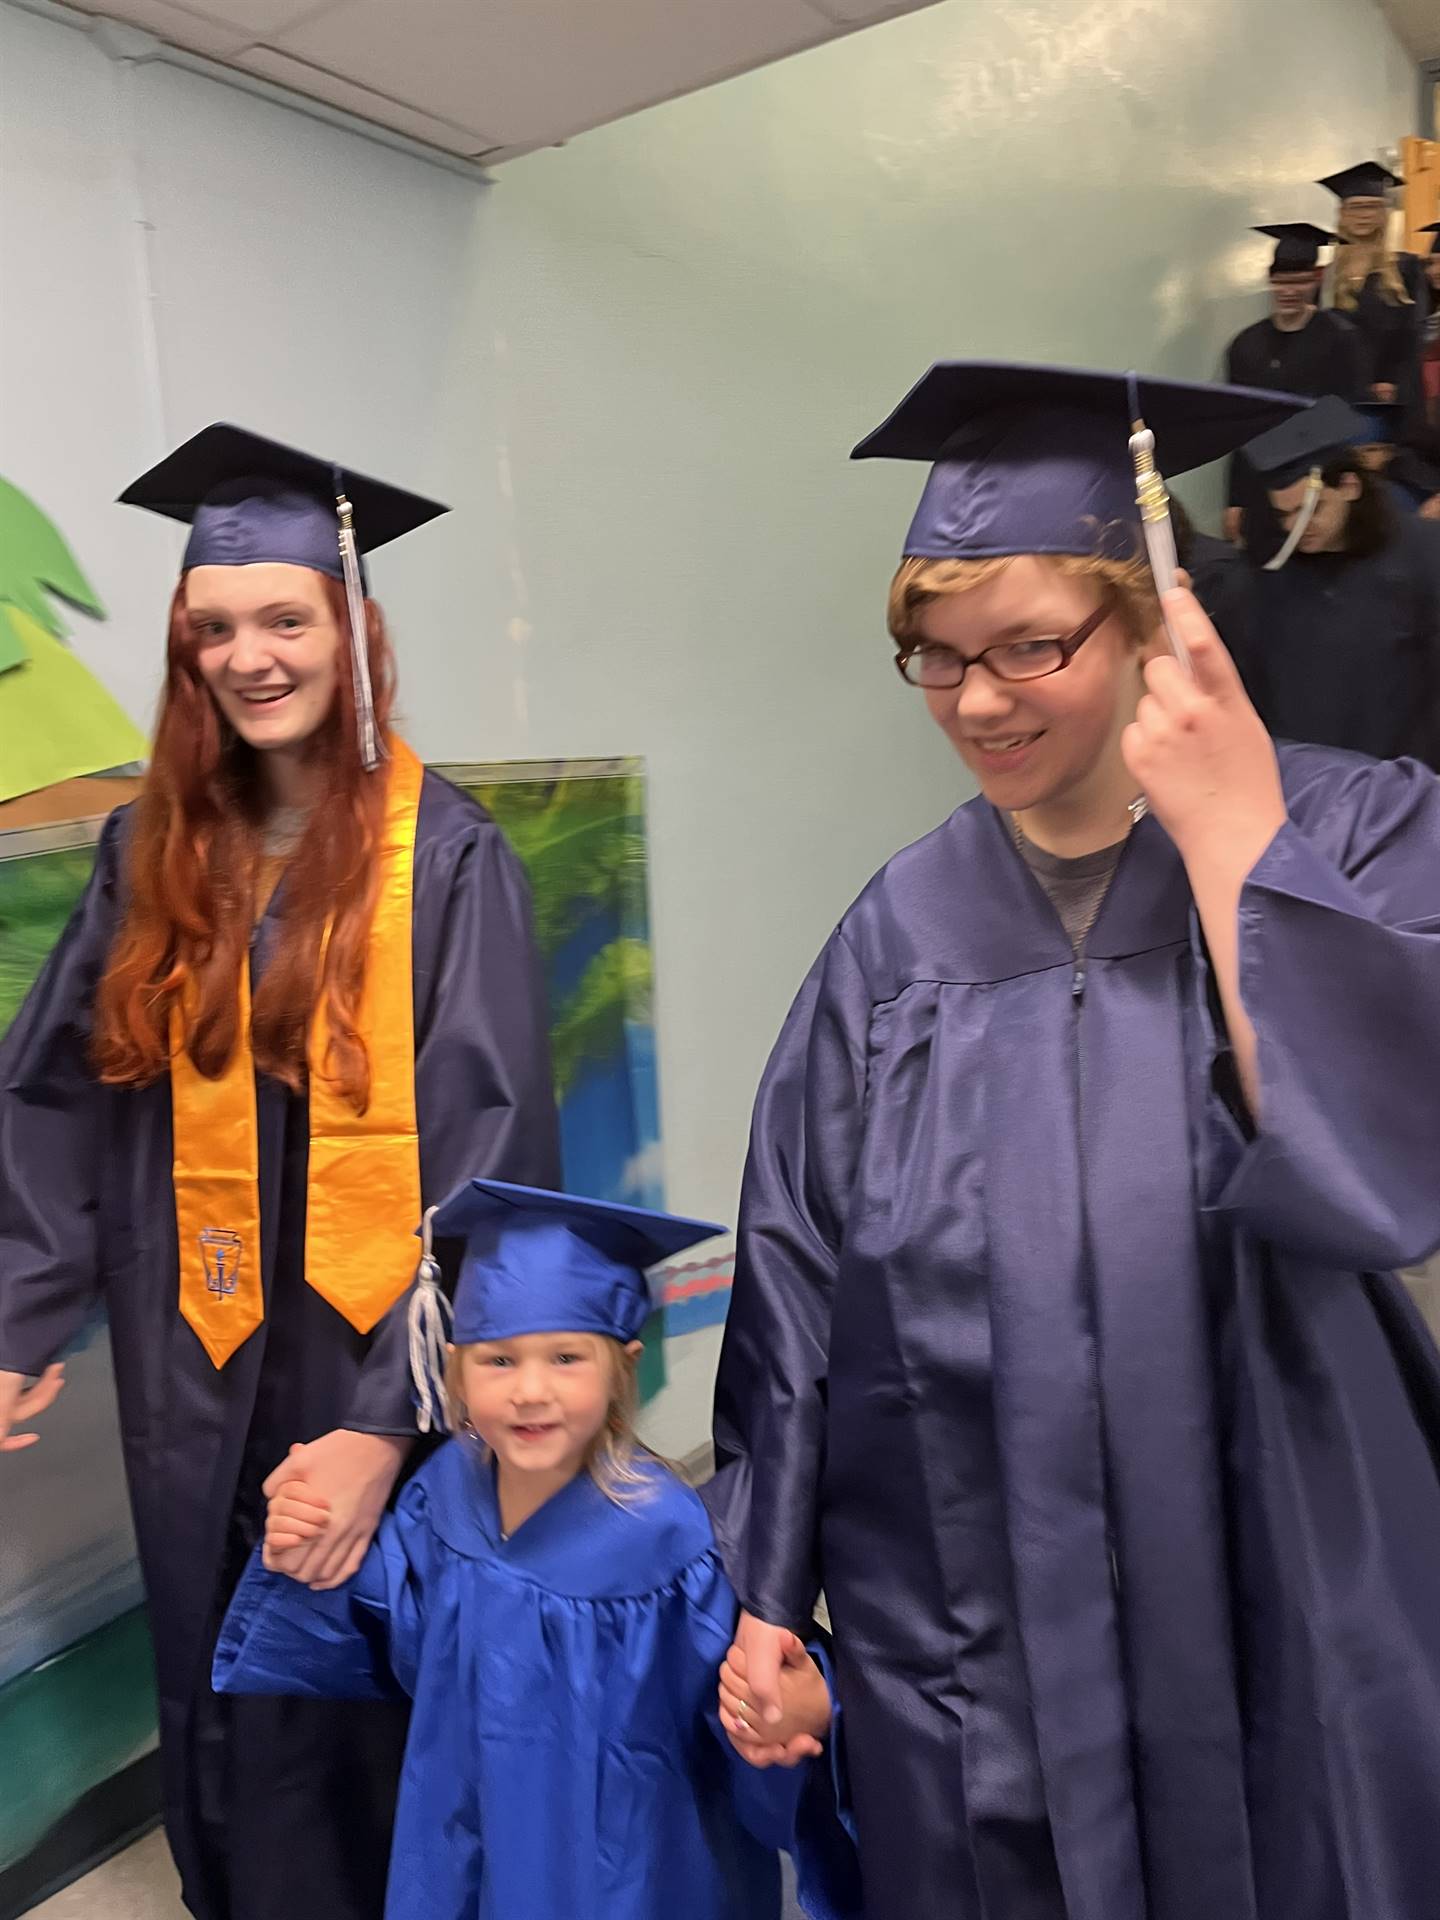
{"x": 1044, "y": 459}
{"x": 1368, "y": 180}
{"x": 249, "y": 500}
{"x": 1300, "y": 449}
{"x": 1298, "y": 245}
{"x": 540, "y": 1262}
{"x": 1301, "y": 446}
{"x": 1433, "y": 228}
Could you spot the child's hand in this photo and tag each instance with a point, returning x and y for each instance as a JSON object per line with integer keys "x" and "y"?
{"x": 805, "y": 1710}
{"x": 294, "y": 1516}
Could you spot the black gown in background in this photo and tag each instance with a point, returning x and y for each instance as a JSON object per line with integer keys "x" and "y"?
{"x": 1344, "y": 651}
{"x": 275, "y": 1809}
{"x": 1393, "y": 333}
{"x": 1327, "y": 355}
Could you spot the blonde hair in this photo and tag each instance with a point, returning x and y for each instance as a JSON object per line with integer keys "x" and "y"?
{"x": 1126, "y": 587}
{"x": 1357, "y": 261}
{"x": 618, "y": 1459}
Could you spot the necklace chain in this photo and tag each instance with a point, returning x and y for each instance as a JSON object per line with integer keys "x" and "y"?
{"x": 1137, "y": 810}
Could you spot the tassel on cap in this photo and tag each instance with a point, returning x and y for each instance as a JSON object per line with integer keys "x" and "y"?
{"x": 1154, "y": 504}
{"x": 359, "y": 631}
{"x": 430, "y": 1321}
{"x": 1314, "y": 487}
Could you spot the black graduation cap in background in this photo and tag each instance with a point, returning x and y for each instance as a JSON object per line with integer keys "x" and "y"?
{"x": 248, "y": 499}
{"x": 1298, "y": 245}
{"x": 1434, "y": 227}
{"x": 1296, "y": 447}
{"x": 1367, "y": 180}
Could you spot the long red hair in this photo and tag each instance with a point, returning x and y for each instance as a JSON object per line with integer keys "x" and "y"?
{"x": 192, "y": 869}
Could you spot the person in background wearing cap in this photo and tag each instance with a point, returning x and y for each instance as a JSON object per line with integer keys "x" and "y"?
{"x": 1382, "y": 291}
{"x": 299, "y": 996}
{"x": 1063, "y": 1354}
{"x": 1297, "y": 348}
{"x": 1338, "y": 639}
{"x": 548, "y": 1594}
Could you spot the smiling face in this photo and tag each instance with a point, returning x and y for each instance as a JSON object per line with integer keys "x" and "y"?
{"x": 1036, "y": 743}
{"x": 268, "y": 649}
{"x": 539, "y": 1401}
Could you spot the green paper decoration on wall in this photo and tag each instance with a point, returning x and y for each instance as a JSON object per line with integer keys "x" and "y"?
{"x": 56, "y": 720}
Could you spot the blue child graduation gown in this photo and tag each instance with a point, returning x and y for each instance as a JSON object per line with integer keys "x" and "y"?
{"x": 274, "y": 1810}
{"x": 1098, "y": 1416}
{"x": 565, "y": 1760}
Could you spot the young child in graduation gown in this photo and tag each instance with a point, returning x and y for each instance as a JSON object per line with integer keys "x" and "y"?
{"x": 549, "y": 1596}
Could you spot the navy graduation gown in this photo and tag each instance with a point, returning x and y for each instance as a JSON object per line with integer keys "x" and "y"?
{"x": 565, "y": 1759}
{"x": 1344, "y": 651}
{"x": 1104, "y": 1427}
{"x": 261, "y": 1797}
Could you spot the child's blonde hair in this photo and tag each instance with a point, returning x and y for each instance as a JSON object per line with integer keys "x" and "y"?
{"x": 618, "y": 1458}
{"x": 1125, "y": 584}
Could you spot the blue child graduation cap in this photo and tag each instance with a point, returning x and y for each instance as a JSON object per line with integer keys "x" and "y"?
{"x": 248, "y": 500}
{"x": 1059, "y": 459}
{"x": 540, "y": 1262}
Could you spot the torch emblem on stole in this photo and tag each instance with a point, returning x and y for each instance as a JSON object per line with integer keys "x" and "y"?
{"x": 220, "y": 1249}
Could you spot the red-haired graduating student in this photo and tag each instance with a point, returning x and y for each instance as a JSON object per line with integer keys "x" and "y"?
{"x": 297, "y": 1003}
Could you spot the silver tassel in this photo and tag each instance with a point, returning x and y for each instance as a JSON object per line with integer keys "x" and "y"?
{"x": 1314, "y": 487}
{"x": 430, "y": 1321}
{"x": 1154, "y": 504}
{"x": 359, "y": 636}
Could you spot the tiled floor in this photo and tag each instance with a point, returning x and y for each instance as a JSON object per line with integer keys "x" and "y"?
{"x": 137, "y": 1885}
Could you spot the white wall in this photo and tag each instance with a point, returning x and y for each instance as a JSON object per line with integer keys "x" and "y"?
{"x": 635, "y": 366}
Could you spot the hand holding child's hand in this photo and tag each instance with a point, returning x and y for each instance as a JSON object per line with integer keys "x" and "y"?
{"x": 326, "y": 1501}
{"x": 805, "y": 1709}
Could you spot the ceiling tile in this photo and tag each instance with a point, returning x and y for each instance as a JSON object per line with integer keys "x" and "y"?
{"x": 396, "y": 114}
{"x": 859, "y": 13}
{"x": 262, "y": 19}
{"x": 536, "y": 71}
{"x": 177, "y": 25}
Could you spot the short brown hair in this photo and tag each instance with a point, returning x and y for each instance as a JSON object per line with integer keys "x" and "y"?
{"x": 1126, "y": 586}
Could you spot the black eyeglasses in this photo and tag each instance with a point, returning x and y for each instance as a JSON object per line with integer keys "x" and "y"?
{"x": 928, "y": 664}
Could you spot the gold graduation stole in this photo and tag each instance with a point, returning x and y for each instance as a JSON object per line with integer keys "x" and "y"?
{"x": 363, "y": 1193}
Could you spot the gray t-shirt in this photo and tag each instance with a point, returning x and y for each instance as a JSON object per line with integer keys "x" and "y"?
{"x": 1075, "y": 888}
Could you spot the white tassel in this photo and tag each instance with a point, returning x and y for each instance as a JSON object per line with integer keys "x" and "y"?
{"x": 359, "y": 636}
{"x": 430, "y": 1322}
{"x": 1154, "y": 504}
{"x": 1314, "y": 486}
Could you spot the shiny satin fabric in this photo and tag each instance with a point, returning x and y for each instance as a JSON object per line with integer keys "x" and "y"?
{"x": 216, "y": 1176}
{"x": 1108, "y": 1435}
{"x": 87, "y": 1215}
{"x": 363, "y": 1199}
{"x": 364, "y": 1179}
{"x": 565, "y": 1761}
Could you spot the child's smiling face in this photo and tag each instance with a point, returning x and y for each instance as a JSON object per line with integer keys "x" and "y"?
{"x": 540, "y": 1400}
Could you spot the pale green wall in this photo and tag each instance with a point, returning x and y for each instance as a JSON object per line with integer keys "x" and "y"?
{"x": 635, "y": 366}
{"x": 703, "y": 308}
